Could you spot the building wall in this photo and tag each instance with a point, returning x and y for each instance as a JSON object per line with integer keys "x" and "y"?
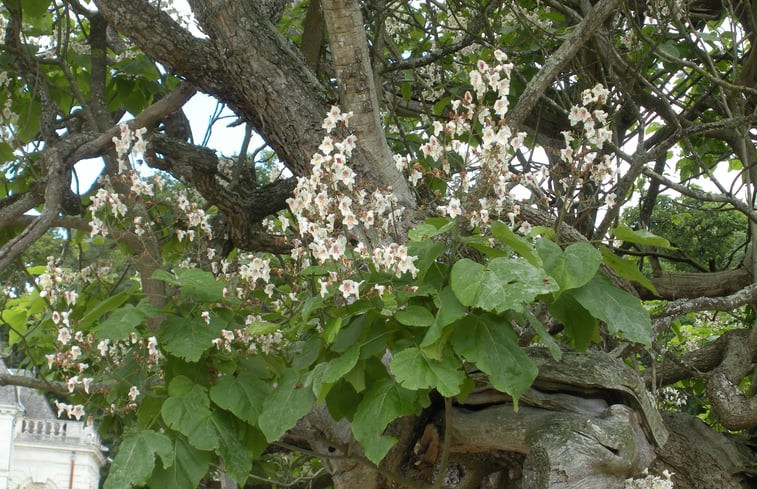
{"x": 55, "y": 454}
{"x": 8, "y": 415}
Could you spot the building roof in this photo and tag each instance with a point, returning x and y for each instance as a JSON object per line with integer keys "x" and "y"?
{"x": 33, "y": 403}
{"x": 8, "y": 395}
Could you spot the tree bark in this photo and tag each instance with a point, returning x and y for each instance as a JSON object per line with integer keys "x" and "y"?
{"x": 246, "y": 63}
{"x": 357, "y": 93}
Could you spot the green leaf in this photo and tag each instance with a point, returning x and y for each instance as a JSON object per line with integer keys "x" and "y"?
{"x": 466, "y": 280}
{"x": 341, "y": 365}
{"x": 427, "y": 252}
{"x": 187, "y": 411}
{"x": 506, "y": 236}
{"x": 641, "y": 237}
{"x": 575, "y": 266}
{"x": 450, "y": 310}
{"x": 549, "y": 252}
{"x": 333, "y": 325}
{"x": 262, "y": 327}
{"x": 243, "y": 395}
{"x": 197, "y": 284}
{"x": 626, "y": 268}
{"x": 413, "y": 370}
{"x": 342, "y": 401}
{"x": 186, "y": 468}
{"x": 237, "y": 458}
{"x": 406, "y": 90}
{"x": 35, "y": 8}
{"x": 623, "y": 313}
{"x": 288, "y": 402}
{"x": 414, "y": 315}
{"x": 135, "y": 459}
{"x": 580, "y": 326}
{"x": 505, "y": 283}
{"x": 492, "y": 345}
{"x": 104, "y": 307}
{"x": 510, "y": 283}
{"x": 544, "y": 336}
{"x": 187, "y": 338}
{"x": 383, "y": 402}
{"x": 200, "y": 285}
{"x": 120, "y": 324}
{"x": 422, "y": 232}
{"x": 15, "y": 317}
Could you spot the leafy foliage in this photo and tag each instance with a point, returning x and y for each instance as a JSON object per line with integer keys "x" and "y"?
{"x": 212, "y": 324}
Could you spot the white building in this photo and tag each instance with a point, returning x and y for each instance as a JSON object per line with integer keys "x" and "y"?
{"x": 40, "y": 451}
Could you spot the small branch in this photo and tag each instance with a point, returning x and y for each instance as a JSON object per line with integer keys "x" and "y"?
{"x": 149, "y": 117}
{"x": 703, "y": 196}
{"x": 727, "y": 303}
{"x": 52, "y": 386}
{"x": 389, "y": 475}
{"x": 559, "y": 59}
{"x": 445, "y": 444}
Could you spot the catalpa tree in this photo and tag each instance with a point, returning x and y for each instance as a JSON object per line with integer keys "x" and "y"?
{"x": 446, "y": 268}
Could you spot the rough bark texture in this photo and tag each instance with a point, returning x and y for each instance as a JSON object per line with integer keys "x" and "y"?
{"x": 246, "y": 63}
{"x": 349, "y": 48}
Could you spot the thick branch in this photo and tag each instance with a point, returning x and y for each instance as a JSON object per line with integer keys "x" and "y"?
{"x": 244, "y": 205}
{"x": 559, "y": 59}
{"x": 691, "y": 364}
{"x": 29, "y": 69}
{"x": 692, "y": 285}
{"x": 357, "y": 91}
{"x": 149, "y": 117}
{"x": 55, "y": 160}
{"x": 54, "y": 387}
{"x": 727, "y": 303}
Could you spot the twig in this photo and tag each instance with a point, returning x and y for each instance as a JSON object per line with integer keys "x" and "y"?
{"x": 445, "y": 444}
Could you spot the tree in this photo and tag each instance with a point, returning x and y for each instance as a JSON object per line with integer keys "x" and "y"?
{"x": 442, "y": 295}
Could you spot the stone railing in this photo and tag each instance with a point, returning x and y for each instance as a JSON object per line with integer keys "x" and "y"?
{"x": 56, "y": 431}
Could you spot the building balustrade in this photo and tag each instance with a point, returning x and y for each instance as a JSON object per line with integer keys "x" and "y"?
{"x": 55, "y": 431}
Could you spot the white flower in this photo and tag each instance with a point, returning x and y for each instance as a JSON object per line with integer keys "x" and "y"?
{"x": 525, "y": 228}
{"x": 103, "y": 347}
{"x": 76, "y": 411}
{"x": 133, "y": 393}
{"x": 64, "y": 336}
{"x": 327, "y": 145}
{"x": 578, "y": 114}
{"x": 350, "y": 289}
{"x": 152, "y": 345}
{"x": 323, "y": 287}
{"x": 454, "y": 209}
{"x": 500, "y": 106}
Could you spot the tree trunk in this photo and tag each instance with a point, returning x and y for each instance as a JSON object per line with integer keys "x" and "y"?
{"x": 357, "y": 93}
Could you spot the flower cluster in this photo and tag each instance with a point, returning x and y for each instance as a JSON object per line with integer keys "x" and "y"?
{"x": 330, "y": 211}
{"x": 72, "y": 411}
{"x": 481, "y": 187}
{"x": 56, "y": 283}
{"x": 195, "y": 217}
{"x": 651, "y": 481}
{"x": 129, "y": 142}
{"x": 244, "y": 342}
{"x": 9, "y": 118}
{"x": 583, "y": 146}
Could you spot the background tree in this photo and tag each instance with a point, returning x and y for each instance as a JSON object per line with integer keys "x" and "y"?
{"x": 448, "y": 248}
